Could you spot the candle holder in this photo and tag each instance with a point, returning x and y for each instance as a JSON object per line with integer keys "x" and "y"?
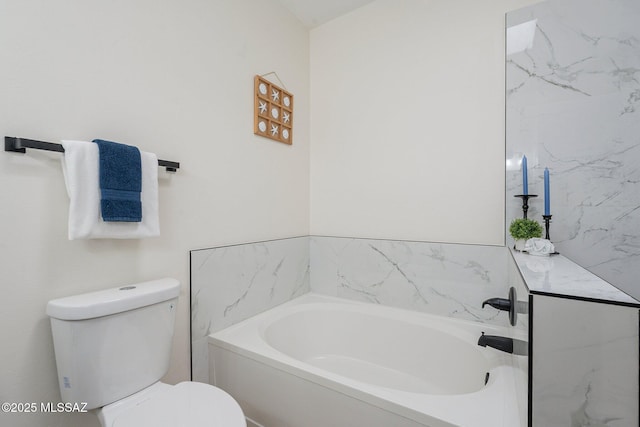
{"x": 525, "y": 202}
{"x": 547, "y": 220}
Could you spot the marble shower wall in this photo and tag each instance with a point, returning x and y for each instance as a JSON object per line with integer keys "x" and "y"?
{"x": 573, "y": 105}
{"x": 444, "y": 279}
{"x": 232, "y": 283}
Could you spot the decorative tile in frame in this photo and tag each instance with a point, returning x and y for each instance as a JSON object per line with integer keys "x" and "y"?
{"x": 273, "y": 111}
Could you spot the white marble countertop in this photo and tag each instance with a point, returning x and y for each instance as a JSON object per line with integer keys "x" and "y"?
{"x": 557, "y": 275}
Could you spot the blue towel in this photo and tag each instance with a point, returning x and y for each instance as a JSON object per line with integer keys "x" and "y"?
{"x": 120, "y": 182}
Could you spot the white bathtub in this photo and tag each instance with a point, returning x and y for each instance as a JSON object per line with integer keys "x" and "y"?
{"x": 323, "y": 361}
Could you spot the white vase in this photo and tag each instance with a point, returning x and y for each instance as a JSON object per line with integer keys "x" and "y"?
{"x": 520, "y": 244}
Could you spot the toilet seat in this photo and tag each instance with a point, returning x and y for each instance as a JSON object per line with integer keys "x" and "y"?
{"x": 187, "y": 404}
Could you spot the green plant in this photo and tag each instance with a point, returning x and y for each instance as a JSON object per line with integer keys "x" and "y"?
{"x": 524, "y": 228}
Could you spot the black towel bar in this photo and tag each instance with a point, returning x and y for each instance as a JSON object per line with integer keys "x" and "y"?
{"x": 19, "y": 145}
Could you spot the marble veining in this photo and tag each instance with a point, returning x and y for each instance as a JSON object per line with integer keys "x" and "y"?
{"x": 585, "y": 363}
{"x": 232, "y": 283}
{"x": 572, "y": 106}
{"x": 558, "y": 275}
{"x": 581, "y": 417}
{"x": 446, "y": 279}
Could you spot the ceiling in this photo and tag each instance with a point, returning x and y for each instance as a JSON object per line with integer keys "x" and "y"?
{"x": 316, "y": 12}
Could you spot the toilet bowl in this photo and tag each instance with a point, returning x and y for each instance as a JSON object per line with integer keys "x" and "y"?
{"x": 112, "y": 348}
{"x": 188, "y": 404}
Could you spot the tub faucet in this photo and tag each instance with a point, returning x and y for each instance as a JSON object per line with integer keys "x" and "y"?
{"x": 512, "y": 305}
{"x": 498, "y": 303}
{"x": 508, "y": 345}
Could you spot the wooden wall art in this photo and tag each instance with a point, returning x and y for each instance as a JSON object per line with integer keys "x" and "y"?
{"x": 273, "y": 111}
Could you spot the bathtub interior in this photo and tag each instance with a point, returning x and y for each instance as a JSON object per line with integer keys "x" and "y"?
{"x": 341, "y": 341}
{"x": 369, "y": 362}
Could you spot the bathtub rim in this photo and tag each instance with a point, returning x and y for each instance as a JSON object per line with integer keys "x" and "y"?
{"x": 486, "y": 401}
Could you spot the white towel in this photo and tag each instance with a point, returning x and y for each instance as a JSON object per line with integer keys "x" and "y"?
{"x": 540, "y": 247}
{"x": 81, "y": 175}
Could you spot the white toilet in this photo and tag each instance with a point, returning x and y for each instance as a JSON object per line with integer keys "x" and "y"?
{"x": 113, "y": 346}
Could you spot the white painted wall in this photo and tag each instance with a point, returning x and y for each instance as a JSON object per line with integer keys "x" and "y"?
{"x": 407, "y": 107}
{"x": 173, "y": 77}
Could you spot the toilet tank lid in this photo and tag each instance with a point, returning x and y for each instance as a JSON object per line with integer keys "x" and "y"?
{"x": 114, "y": 300}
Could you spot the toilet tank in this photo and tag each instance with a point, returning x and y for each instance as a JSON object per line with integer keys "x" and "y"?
{"x": 113, "y": 343}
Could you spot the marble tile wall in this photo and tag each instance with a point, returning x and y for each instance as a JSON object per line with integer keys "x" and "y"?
{"x": 584, "y": 363}
{"x": 232, "y": 283}
{"x": 573, "y": 105}
{"x": 520, "y": 332}
{"x": 444, "y": 279}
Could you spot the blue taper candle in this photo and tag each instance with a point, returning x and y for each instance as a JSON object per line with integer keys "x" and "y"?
{"x": 546, "y": 192}
{"x": 525, "y": 180}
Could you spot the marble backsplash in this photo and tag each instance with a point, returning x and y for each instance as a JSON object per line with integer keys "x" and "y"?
{"x": 573, "y": 105}
{"x": 444, "y": 279}
{"x": 232, "y": 283}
